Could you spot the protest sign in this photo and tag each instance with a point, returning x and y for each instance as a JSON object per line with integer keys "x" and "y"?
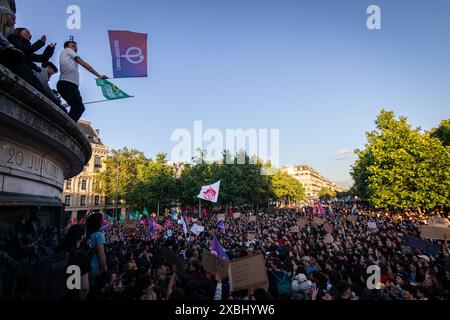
{"x": 424, "y": 246}
{"x": 435, "y": 232}
{"x": 328, "y": 228}
{"x": 220, "y": 217}
{"x": 328, "y": 239}
{"x": 197, "y": 230}
{"x": 252, "y": 219}
{"x": 438, "y": 221}
{"x": 251, "y": 236}
{"x": 302, "y": 222}
{"x": 319, "y": 221}
{"x": 236, "y": 215}
{"x": 248, "y": 272}
{"x": 372, "y": 225}
{"x": 352, "y": 219}
{"x": 214, "y": 264}
{"x": 295, "y": 229}
{"x": 173, "y": 259}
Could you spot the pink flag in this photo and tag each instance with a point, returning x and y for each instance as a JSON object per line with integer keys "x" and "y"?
{"x": 129, "y": 53}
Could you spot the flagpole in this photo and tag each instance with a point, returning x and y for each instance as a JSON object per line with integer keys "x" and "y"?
{"x": 106, "y": 100}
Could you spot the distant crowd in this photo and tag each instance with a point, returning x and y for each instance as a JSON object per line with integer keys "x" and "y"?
{"x": 19, "y": 54}
{"x": 123, "y": 263}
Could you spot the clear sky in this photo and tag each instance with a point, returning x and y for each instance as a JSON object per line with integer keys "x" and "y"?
{"x": 309, "y": 68}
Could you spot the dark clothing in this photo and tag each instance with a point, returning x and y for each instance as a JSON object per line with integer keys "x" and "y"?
{"x": 29, "y": 51}
{"x": 70, "y": 92}
{"x": 81, "y": 259}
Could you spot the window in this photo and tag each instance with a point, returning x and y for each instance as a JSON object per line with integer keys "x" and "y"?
{"x": 69, "y": 184}
{"x": 83, "y": 201}
{"x": 97, "y": 200}
{"x": 67, "y": 201}
{"x": 84, "y": 184}
{"x": 98, "y": 162}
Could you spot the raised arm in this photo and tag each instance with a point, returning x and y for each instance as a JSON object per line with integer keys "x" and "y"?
{"x": 89, "y": 68}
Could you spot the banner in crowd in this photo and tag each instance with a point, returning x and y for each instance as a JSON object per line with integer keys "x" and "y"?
{"x": 436, "y": 232}
{"x": 215, "y": 264}
{"x": 111, "y": 91}
{"x": 210, "y": 193}
{"x": 248, "y": 272}
{"x": 423, "y": 246}
{"x": 197, "y": 230}
{"x": 129, "y": 53}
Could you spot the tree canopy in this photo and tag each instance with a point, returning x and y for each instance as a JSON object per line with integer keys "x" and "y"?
{"x": 401, "y": 167}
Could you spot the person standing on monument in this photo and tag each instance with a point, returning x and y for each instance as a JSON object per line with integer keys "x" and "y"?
{"x": 69, "y": 80}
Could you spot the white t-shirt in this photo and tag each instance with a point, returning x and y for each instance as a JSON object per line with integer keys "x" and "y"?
{"x": 69, "y": 67}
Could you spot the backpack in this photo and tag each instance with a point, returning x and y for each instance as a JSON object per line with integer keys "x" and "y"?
{"x": 283, "y": 286}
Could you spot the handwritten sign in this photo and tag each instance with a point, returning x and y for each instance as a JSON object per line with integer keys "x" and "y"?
{"x": 220, "y": 217}
{"x": 252, "y": 219}
{"x": 294, "y": 229}
{"x": 236, "y": 215}
{"x": 248, "y": 272}
{"x": 435, "y": 232}
{"x": 251, "y": 236}
{"x": 372, "y": 225}
{"x": 214, "y": 264}
{"x": 438, "y": 221}
{"x": 302, "y": 222}
{"x": 352, "y": 219}
{"x": 328, "y": 228}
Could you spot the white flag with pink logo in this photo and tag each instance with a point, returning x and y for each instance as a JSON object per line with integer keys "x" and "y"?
{"x": 210, "y": 193}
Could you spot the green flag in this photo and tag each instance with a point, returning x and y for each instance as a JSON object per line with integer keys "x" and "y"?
{"x": 145, "y": 212}
{"x": 110, "y": 91}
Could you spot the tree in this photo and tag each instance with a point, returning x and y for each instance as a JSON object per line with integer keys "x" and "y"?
{"x": 401, "y": 167}
{"x": 442, "y": 132}
{"x": 327, "y": 194}
{"x": 120, "y": 176}
{"x": 287, "y": 188}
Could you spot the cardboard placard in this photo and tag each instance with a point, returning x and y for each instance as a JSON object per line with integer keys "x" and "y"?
{"x": 214, "y": 264}
{"x": 328, "y": 228}
{"x": 248, "y": 272}
{"x": 252, "y": 219}
{"x": 438, "y": 221}
{"x": 372, "y": 225}
{"x": 236, "y": 215}
{"x": 220, "y": 217}
{"x": 319, "y": 221}
{"x": 173, "y": 259}
{"x": 434, "y": 232}
{"x": 294, "y": 229}
{"x": 328, "y": 239}
{"x": 302, "y": 222}
{"x": 352, "y": 219}
{"x": 423, "y": 246}
{"x": 251, "y": 236}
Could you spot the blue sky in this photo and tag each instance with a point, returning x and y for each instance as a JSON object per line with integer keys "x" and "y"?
{"x": 309, "y": 68}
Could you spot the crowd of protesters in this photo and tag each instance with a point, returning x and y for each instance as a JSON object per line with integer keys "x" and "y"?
{"x": 123, "y": 263}
{"x": 19, "y": 54}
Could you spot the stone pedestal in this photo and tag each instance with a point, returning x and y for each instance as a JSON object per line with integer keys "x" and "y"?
{"x": 40, "y": 146}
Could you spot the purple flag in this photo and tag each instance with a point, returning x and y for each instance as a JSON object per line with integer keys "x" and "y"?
{"x": 218, "y": 249}
{"x": 129, "y": 53}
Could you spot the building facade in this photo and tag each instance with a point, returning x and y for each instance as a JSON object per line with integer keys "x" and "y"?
{"x": 311, "y": 180}
{"x": 79, "y": 196}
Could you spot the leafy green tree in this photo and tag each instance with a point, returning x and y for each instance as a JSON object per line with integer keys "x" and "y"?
{"x": 327, "y": 194}
{"x": 442, "y": 132}
{"x": 287, "y": 188}
{"x": 401, "y": 167}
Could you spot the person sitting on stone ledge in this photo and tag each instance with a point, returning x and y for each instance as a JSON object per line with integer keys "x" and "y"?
{"x": 10, "y": 56}
{"x": 21, "y": 39}
{"x": 46, "y": 71}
